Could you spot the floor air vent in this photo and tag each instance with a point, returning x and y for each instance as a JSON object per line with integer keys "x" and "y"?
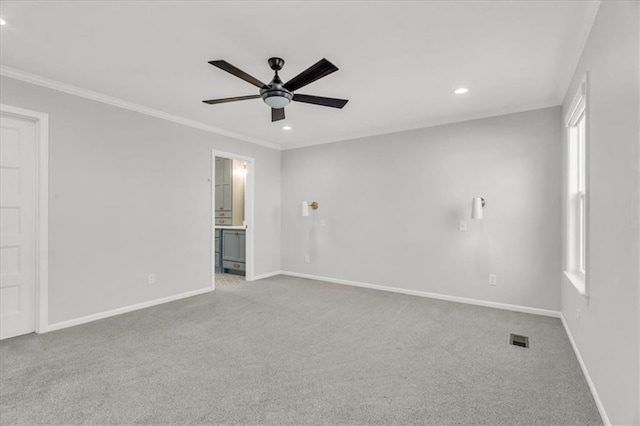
{"x": 517, "y": 340}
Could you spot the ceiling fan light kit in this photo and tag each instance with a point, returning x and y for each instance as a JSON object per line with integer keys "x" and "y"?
{"x": 277, "y": 94}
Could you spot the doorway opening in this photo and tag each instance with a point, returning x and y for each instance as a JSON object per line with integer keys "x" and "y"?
{"x": 232, "y": 218}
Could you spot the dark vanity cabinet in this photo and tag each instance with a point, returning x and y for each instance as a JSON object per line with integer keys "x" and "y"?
{"x": 233, "y": 251}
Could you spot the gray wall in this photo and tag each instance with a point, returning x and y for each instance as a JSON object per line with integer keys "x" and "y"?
{"x": 129, "y": 195}
{"x": 606, "y": 332}
{"x": 392, "y": 204}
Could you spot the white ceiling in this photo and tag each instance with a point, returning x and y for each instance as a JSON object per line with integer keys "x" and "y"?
{"x": 399, "y": 61}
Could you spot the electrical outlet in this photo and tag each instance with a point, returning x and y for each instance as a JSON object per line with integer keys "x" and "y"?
{"x": 462, "y": 225}
{"x": 152, "y": 278}
{"x": 307, "y": 258}
{"x": 493, "y": 279}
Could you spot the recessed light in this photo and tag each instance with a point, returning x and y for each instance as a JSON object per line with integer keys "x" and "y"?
{"x": 286, "y": 127}
{"x": 461, "y": 91}
{"x": 3, "y": 22}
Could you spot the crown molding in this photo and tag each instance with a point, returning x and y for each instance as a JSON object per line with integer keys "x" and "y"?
{"x": 109, "y": 100}
{"x": 100, "y": 97}
{"x": 433, "y": 123}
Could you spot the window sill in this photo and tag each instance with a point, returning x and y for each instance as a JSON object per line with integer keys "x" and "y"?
{"x": 578, "y": 282}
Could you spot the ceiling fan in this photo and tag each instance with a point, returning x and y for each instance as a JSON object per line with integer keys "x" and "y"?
{"x": 277, "y": 94}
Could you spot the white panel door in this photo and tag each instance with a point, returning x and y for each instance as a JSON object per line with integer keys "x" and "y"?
{"x": 17, "y": 226}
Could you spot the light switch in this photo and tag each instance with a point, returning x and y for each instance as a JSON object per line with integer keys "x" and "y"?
{"x": 462, "y": 225}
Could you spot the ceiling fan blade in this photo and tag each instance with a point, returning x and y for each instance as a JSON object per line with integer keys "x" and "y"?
{"x": 319, "y": 100}
{"x": 316, "y": 71}
{"x": 277, "y": 114}
{"x": 226, "y": 66}
{"x": 237, "y": 98}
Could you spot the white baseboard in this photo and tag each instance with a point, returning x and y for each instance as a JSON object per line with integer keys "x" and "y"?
{"x": 489, "y": 304}
{"x": 125, "y": 309}
{"x": 592, "y": 387}
{"x": 267, "y": 275}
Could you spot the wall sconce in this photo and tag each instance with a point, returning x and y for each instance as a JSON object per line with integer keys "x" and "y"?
{"x": 477, "y": 203}
{"x": 306, "y": 205}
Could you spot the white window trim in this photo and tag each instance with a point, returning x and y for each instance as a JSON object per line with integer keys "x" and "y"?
{"x": 578, "y": 274}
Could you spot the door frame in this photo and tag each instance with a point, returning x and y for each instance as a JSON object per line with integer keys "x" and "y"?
{"x": 248, "y": 211}
{"x": 41, "y": 121}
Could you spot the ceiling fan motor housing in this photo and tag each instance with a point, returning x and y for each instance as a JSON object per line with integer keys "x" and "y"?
{"x": 275, "y": 95}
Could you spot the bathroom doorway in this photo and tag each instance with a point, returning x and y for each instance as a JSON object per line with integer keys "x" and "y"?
{"x": 232, "y": 218}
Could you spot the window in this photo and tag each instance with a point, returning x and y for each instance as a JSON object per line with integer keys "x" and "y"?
{"x": 576, "y": 197}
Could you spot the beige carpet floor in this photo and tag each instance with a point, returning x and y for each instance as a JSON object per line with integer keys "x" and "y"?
{"x": 291, "y": 351}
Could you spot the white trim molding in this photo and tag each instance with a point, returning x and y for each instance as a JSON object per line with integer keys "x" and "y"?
{"x": 42, "y": 209}
{"x": 267, "y": 275}
{"x": 583, "y": 366}
{"x": 468, "y": 301}
{"x": 120, "y": 103}
{"x": 109, "y": 100}
{"x": 432, "y": 123}
{"x": 125, "y": 309}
